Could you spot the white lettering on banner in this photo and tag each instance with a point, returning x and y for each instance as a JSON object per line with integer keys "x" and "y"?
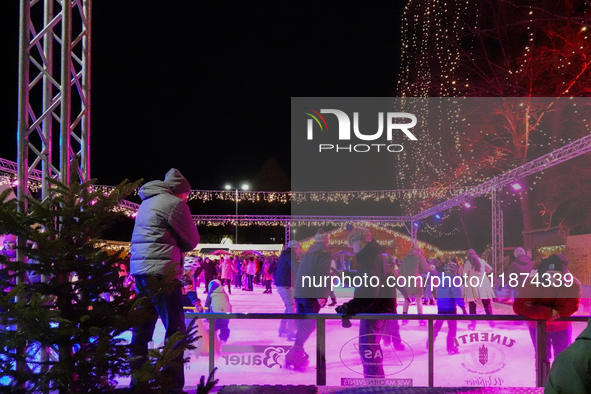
{"x": 489, "y": 381}
{"x": 376, "y": 382}
{"x": 272, "y": 357}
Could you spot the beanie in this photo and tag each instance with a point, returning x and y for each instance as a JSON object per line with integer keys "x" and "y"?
{"x": 214, "y": 284}
{"x": 518, "y": 252}
{"x": 321, "y": 236}
{"x": 556, "y": 262}
{"x": 293, "y": 244}
{"x": 10, "y": 238}
{"x": 178, "y": 184}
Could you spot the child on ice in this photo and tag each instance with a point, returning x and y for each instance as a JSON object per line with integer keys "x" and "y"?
{"x": 218, "y": 302}
{"x": 449, "y": 294}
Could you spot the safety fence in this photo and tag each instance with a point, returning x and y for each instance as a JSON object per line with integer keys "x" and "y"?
{"x": 542, "y": 365}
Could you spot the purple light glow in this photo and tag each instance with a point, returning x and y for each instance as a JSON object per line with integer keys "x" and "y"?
{"x": 15, "y": 183}
{"x": 516, "y": 186}
{"x": 467, "y": 205}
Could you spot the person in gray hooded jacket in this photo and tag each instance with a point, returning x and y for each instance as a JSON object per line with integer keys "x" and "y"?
{"x": 163, "y": 231}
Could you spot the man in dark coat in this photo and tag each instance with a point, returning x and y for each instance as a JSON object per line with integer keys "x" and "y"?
{"x": 379, "y": 298}
{"x": 209, "y": 271}
{"x": 521, "y": 265}
{"x": 314, "y": 268}
{"x": 163, "y": 231}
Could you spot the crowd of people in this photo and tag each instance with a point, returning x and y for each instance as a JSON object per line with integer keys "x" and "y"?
{"x": 158, "y": 268}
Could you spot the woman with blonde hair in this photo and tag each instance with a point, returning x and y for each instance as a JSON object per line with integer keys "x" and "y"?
{"x": 477, "y": 291}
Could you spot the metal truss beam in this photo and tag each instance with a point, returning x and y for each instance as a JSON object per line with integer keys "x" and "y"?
{"x": 497, "y": 232}
{"x": 53, "y": 91}
{"x": 560, "y": 155}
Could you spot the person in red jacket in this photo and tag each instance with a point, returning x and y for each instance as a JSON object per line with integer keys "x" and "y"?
{"x": 552, "y": 294}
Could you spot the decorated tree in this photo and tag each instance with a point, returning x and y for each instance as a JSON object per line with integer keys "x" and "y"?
{"x": 63, "y": 309}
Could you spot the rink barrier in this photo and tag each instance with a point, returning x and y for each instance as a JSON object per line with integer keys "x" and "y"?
{"x": 542, "y": 366}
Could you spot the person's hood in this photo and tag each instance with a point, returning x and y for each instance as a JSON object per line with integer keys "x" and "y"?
{"x": 523, "y": 260}
{"x": 318, "y": 246}
{"x": 215, "y": 286}
{"x": 154, "y": 188}
{"x": 286, "y": 252}
{"x": 370, "y": 249}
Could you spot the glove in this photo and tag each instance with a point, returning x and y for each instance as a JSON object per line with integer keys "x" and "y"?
{"x": 346, "y": 312}
{"x": 198, "y": 307}
{"x": 343, "y": 309}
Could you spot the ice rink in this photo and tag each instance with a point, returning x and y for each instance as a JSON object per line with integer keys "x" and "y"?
{"x": 499, "y": 356}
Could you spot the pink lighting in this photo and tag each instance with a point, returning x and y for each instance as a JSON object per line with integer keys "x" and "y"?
{"x": 133, "y": 215}
{"x": 467, "y": 205}
{"x": 15, "y": 183}
{"x": 516, "y": 186}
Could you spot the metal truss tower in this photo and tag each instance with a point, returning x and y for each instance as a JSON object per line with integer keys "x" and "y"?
{"x": 497, "y": 232}
{"x": 53, "y": 91}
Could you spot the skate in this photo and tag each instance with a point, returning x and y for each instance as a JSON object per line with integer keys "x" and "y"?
{"x": 296, "y": 359}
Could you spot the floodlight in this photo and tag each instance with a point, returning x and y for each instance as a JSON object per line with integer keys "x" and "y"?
{"x": 516, "y": 186}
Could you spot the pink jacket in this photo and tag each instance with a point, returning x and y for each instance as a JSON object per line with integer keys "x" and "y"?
{"x": 227, "y": 269}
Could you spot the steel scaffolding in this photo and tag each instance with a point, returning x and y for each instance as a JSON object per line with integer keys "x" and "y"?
{"x": 497, "y": 232}
{"x": 53, "y": 90}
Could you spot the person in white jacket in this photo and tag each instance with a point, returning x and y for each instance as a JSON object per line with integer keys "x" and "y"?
{"x": 218, "y": 301}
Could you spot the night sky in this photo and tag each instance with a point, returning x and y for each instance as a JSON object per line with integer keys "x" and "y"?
{"x": 205, "y": 86}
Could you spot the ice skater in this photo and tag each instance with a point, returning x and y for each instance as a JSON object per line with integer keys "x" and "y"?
{"x": 285, "y": 277}
{"x": 413, "y": 266}
{"x": 218, "y": 301}
{"x": 478, "y": 292}
{"x": 370, "y": 299}
{"x": 315, "y": 265}
{"x": 449, "y": 295}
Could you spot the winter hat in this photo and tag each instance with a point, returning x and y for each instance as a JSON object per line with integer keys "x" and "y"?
{"x": 321, "y": 236}
{"x": 10, "y": 238}
{"x": 556, "y": 262}
{"x": 360, "y": 234}
{"x": 178, "y": 184}
{"x": 293, "y": 244}
{"x": 518, "y": 252}
{"x": 214, "y": 284}
{"x": 451, "y": 268}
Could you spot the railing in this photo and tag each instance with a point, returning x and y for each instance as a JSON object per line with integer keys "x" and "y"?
{"x": 542, "y": 366}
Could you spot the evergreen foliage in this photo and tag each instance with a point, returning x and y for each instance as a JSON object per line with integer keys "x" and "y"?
{"x": 76, "y": 315}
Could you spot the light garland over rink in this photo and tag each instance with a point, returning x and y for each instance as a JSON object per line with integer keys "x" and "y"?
{"x": 405, "y": 195}
{"x": 298, "y": 220}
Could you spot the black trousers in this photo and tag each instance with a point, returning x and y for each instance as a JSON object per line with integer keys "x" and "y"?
{"x": 305, "y": 326}
{"x": 169, "y": 307}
